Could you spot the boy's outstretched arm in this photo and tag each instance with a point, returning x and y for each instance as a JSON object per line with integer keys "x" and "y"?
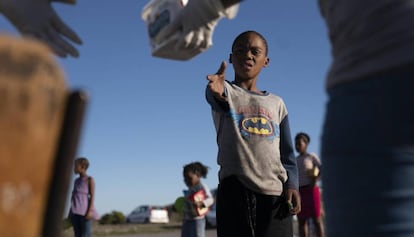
{"x": 37, "y": 18}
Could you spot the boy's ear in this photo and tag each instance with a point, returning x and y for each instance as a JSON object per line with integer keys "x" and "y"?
{"x": 266, "y": 63}
{"x": 230, "y": 58}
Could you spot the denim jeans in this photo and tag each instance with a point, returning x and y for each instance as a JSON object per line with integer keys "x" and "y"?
{"x": 81, "y": 226}
{"x": 368, "y": 156}
{"x": 193, "y": 228}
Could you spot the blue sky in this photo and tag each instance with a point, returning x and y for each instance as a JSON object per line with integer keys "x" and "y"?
{"x": 147, "y": 117}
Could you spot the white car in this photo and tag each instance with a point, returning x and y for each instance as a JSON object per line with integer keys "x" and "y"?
{"x": 148, "y": 214}
{"x": 211, "y": 217}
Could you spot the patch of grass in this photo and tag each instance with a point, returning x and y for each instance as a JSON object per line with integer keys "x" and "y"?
{"x": 108, "y": 230}
{"x": 100, "y": 230}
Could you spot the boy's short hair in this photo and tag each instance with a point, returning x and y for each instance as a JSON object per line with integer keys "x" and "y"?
{"x": 243, "y": 34}
{"x": 304, "y": 136}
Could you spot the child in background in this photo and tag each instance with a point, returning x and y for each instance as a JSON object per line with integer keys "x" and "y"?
{"x": 82, "y": 210}
{"x": 198, "y": 200}
{"x": 258, "y": 186}
{"x": 309, "y": 167}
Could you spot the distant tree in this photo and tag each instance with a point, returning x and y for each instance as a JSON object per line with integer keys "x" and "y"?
{"x": 115, "y": 217}
{"x": 179, "y": 205}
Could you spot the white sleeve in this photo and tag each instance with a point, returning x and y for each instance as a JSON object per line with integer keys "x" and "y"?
{"x": 209, "y": 197}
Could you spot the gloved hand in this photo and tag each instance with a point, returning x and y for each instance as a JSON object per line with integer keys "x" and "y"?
{"x": 37, "y": 18}
{"x": 196, "y": 23}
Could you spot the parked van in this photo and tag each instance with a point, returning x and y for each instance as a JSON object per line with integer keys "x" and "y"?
{"x": 148, "y": 214}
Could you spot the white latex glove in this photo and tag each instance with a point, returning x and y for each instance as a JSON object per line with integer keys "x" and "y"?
{"x": 196, "y": 23}
{"x": 37, "y": 18}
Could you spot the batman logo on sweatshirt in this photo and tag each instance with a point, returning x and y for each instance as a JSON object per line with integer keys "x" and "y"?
{"x": 257, "y": 126}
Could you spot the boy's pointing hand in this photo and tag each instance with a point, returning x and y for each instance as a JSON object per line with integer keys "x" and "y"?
{"x": 216, "y": 83}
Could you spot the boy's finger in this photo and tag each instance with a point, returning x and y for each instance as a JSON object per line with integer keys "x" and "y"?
{"x": 222, "y": 68}
{"x": 219, "y": 72}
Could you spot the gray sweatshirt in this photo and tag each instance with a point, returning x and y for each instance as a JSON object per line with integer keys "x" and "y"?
{"x": 254, "y": 140}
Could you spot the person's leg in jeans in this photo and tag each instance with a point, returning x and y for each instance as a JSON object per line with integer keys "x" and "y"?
{"x": 188, "y": 228}
{"x": 87, "y": 227}
{"x": 368, "y": 156}
{"x": 200, "y": 225}
{"x": 76, "y": 221}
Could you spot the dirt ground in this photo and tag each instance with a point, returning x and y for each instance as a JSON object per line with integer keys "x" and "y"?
{"x": 176, "y": 233}
{"x": 137, "y": 230}
{"x": 143, "y": 230}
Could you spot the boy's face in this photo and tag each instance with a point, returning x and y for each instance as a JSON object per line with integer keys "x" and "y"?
{"x": 301, "y": 145}
{"x": 249, "y": 57}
